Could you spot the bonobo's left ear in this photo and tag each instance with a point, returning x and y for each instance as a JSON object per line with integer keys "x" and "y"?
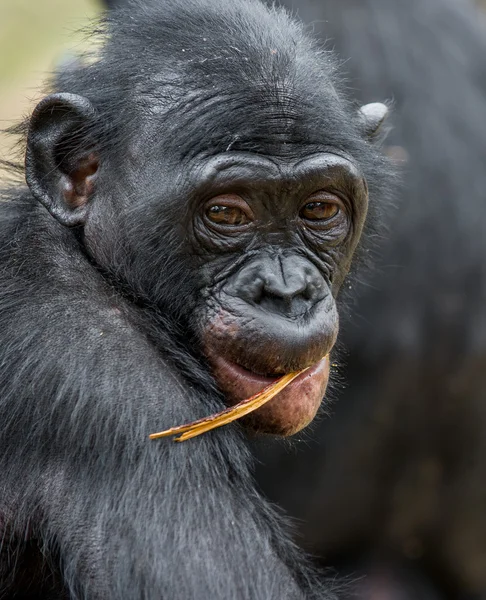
{"x": 60, "y": 163}
{"x": 372, "y": 117}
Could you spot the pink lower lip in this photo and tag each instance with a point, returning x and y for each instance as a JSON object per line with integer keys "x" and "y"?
{"x": 292, "y": 408}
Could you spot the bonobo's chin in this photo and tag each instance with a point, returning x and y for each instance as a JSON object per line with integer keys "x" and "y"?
{"x": 290, "y": 411}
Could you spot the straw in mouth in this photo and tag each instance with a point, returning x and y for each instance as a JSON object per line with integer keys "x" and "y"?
{"x": 228, "y": 415}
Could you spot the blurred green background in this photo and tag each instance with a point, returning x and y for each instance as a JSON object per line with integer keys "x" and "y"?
{"x": 34, "y": 36}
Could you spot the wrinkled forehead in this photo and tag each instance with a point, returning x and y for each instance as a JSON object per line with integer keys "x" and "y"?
{"x": 277, "y": 118}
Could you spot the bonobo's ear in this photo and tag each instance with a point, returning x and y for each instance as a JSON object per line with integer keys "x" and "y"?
{"x": 60, "y": 163}
{"x": 372, "y": 117}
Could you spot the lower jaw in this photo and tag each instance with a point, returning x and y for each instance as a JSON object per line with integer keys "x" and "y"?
{"x": 290, "y": 411}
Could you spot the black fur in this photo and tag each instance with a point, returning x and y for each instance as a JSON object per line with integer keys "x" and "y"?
{"x": 97, "y": 354}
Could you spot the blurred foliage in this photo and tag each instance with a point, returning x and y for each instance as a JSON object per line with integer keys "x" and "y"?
{"x": 35, "y": 35}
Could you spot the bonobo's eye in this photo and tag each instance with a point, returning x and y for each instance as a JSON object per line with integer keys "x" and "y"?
{"x": 227, "y": 215}
{"x": 319, "y": 211}
{"x": 320, "y": 208}
{"x": 228, "y": 210}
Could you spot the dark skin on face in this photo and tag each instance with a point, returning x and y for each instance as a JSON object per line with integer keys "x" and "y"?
{"x": 281, "y": 233}
{"x": 271, "y": 239}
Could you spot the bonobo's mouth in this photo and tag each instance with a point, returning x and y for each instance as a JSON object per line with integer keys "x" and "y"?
{"x": 290, "y": 411}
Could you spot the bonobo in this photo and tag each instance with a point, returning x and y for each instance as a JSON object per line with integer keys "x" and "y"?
{"x": 195, "y": 196}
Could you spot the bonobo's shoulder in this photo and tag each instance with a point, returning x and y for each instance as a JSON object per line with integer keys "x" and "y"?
{"x": 44, "y": 271}
{"x": 46, "y": 279}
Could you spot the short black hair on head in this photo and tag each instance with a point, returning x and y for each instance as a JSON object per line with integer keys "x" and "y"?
{"x": 241, "y": 74}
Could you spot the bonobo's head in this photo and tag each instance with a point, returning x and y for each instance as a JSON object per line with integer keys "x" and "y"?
{"x": 212, "y": 168}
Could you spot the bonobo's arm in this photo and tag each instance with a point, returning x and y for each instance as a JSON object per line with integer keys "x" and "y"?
{"x": 82, "y": 387}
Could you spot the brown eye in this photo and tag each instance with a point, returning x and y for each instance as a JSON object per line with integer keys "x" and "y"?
{"x": 227, "y": 215}
{"x": 229, "y": 210}
{"x": 319, "y": 211}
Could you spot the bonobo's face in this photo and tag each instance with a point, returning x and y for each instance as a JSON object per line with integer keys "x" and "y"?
{"x": 273, "y": 239}
{"x": 261, "y": 239}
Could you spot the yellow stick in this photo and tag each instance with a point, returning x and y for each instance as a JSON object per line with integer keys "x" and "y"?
{"x": 228, "y": 415}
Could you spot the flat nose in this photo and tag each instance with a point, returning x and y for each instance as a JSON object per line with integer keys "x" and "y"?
{"x": 288, "y": 285}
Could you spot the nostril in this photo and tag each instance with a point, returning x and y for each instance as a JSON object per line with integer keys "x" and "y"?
{"x": 257, "y": 294}
{"x": 294, "y": 297}
{"x": 254, "y": 290}
{"x": 284, "y": 288}
{"x": 285, "y": 306}
{"x": 287, "y": 286}
{"x": 314, "y": 290}
{"x": 279, "y": 297}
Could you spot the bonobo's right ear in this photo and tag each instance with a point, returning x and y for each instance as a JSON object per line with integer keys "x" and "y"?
{"x": 61, "y": 163}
